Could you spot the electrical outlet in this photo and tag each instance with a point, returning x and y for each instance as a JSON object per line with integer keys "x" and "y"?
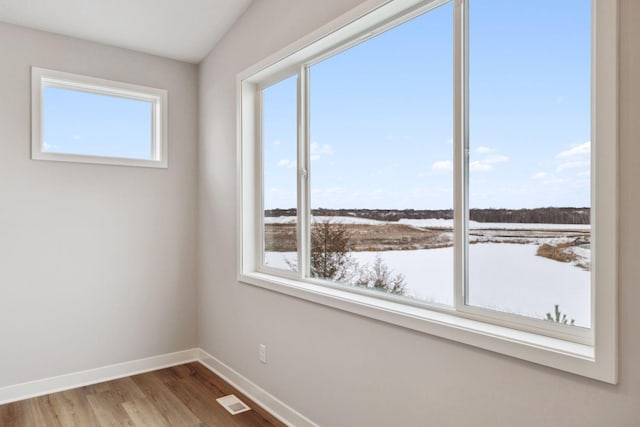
{"x": 263, "y": 353}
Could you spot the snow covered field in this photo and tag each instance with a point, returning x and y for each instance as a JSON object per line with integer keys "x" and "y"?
{"x": 474, "y": 225}
{"x": 336, "y": 219}
{"x": 503, "y": 276}
{"x": 434, "y": 223}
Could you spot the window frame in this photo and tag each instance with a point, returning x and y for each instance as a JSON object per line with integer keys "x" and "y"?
{"x": 42, "y": 77}
{"x": 588, "y": 352}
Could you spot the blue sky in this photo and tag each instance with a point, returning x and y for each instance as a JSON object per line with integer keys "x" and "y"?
{"x": 381, "y": 114}
{"x": 85, "y": 123}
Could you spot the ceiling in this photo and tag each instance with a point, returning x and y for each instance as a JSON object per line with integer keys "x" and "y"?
{"x": 180, "y": 29}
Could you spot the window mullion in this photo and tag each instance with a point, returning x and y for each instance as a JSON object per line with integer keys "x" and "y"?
{"x": 303, "y": 211}
{"x": 259, "y": 251}
{"x": 460, "y": 152}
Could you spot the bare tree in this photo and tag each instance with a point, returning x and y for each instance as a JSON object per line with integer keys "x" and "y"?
{"x": 331, "y": 251}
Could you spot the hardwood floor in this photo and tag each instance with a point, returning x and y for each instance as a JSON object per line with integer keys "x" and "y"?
{"x": 183, "y": 395}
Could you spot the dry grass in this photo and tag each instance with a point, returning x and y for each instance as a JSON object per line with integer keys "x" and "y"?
{"x": 511, "y": 241}
{"x": 397, "y": 237}
{"x": 365, "y": 237}
{"x": 560, "y": 252}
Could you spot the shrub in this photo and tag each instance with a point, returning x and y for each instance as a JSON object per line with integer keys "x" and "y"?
{"x": 331, "y": 251}
{"x": 558, "y": 316}
{"x": 379, "y": 276}
{"x": 331, "y": 244}
{"x": 558, "y": 253}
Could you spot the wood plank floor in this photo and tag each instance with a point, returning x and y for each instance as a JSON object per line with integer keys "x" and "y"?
{"x": 183, "y": 395}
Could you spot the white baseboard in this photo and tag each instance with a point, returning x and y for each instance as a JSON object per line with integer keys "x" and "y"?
{"x": 270, "y": 403}
{"x": 41, "y": 387}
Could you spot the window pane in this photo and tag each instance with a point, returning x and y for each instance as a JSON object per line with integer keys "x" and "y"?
{"x": 381, "y": 161}
{"x": 279, "y": 139}
{"x": 529, "y": 158}
{"x": 83, "y": 123}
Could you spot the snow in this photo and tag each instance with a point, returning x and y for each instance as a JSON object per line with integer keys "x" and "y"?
{"x": 503, "y": 276}
{"x": 511, "y": 278}
{"x": 280, "y": 219}
{"x": 433, "y": 223}
{"x": 474, "y": 225}
{"x": 336, "y": 219}
{"x": 348, "y": 220}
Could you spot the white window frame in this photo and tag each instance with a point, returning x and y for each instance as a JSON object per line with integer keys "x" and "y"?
{"x": 588, "y": 352}
{"x": 42, "y": 77}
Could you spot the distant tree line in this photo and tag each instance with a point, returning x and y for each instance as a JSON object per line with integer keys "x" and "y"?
{"x": 550, "y": 215}
{"x": 537, "y": 215}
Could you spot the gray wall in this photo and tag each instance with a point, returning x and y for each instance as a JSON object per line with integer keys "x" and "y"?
{"x": 97, "y": 263}
{"x": 343, "y": 370}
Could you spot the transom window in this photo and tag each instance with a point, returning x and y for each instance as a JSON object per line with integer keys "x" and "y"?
{"x": 451, "y": 162}
{"x": 83, "y": 119}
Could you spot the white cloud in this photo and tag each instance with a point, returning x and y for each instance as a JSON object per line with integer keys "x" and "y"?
{"x": 479, "y": 166}
{"x": 484, "y": 150}
{"x": 277, "y": 142}
{"x": 581, "y": 150}
{"x": 575, "y": 157}
{"x": 76, "y": 137}
{"x": 541, "y": 175}
{"x": 316, "y": 150}
{"x": 486, "y": 164}
{"x": 584, "y": 173}
{"x": 483, "y": 165}
{"x": 286, "y": 163}
{"x": 572, "y": 165}
{"x": 48, "y": 147}
{"x": 442, "y": 166}
{"x": 494, "y": 159}
{"x": 547, "y": 178}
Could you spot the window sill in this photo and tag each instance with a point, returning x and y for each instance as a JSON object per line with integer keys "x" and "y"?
{"x": 567, "y": 356}
{"x": 99, "y": 160}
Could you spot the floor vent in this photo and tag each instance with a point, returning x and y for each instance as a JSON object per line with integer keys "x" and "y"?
{"x": 232, "y": 404}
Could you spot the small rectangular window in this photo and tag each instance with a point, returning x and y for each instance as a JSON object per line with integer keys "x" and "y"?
{"x": 88, "y": 120}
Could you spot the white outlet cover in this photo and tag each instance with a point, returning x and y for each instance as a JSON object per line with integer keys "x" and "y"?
{"x": 232, "y": 404}
{"x": 263, "y": 353}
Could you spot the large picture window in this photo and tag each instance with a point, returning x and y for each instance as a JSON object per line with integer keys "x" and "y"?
{"x": 447, "y": 166}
